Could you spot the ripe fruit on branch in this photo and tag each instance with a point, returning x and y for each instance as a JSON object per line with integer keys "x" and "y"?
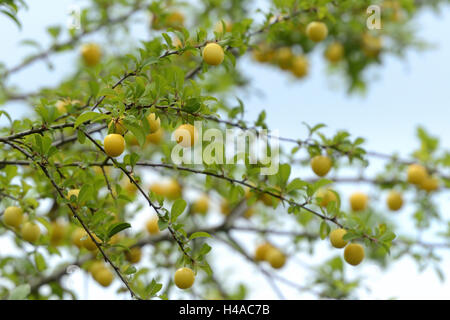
{"x": 77, "y": 234}
{"x": 219, "y": 27}
{"x": 115, "y": 239}
{"x": 118, "y": 126}
{"x": 30, "y": 232}
{"x": 96, "y": 266}
{"x": 134, "y": 255}
{"x": 263, "y": 53}
{"x": 61, "y": 105}
{"x": 270, "y": 200}
{"x": 175, "y": 20}
{"x": 354, "y": 254}
{"x": 73, "y": 192}
{"x": 334, "y": 52}
{"x": 316, "y": 31}
{"x": 91, "y": 54}
{"x": 284, "y": 58}
{"x": 13, "y": 216}
{"x": 114, "y": 144}
{"x": 184, "y": 278}
{"x": 300, "y": 66}
{"x": 249, "y": 212}
{"x": 358, "y": 201}
{"x": 158, "y": 188}
{"x": 213, "y": 54}
{"x": 57, "y": 233}
{"x": 152, "y": 225}
{"x": 371, "y": 45}
{"x": 430, "y": 184}
{"x": 417, "y": 174}
{"x": 201, "y": 205}
{"x": 262, "y": 250}
{"x": 225, "y": 208}
{"x": 155, "y": 138}
{"x": 173, "y": 190}
{"x": 276, "y": 258}
{"x": 104, "y": 276}
{"x": 129, "y": 187}
{"x": 88, "y": 243}
{"x": 326, "y": 196}
{"x": 321, "y": 165}
{"x": 153, "y": 122}
{"x": 99, "y": 171}
{"x": 186, "y": 135}
{"x": 394, "y": 200}
{"x": 336, "y": 238}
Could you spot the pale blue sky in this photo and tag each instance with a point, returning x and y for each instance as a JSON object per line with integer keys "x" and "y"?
{"x": 408, "y": 92}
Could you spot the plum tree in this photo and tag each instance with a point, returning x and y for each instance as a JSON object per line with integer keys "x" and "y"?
{"x": 137, "y": 91}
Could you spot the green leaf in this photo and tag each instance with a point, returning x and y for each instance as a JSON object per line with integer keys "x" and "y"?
{"x": 296, "y": 184}
{"x": 117, "y": 227}
{"x": 137, "y": 131}
{"x": 41, "y": 265}
{"x": 324, "y": 230}
{"x": 283, "y": 174}
{"x": 205, "y": 249}
{"x": 85, "y": 194}
{"x": 87, "y": 116}
{"x": 130, "y": 270}
{"x": 20, "y": 292}
{"x": 199, "y": 234}
{"x": 12, "y": 17}
{"x": 177, "y": 209}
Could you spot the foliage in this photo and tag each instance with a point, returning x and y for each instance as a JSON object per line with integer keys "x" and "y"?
{"x": 59, "y": 147}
